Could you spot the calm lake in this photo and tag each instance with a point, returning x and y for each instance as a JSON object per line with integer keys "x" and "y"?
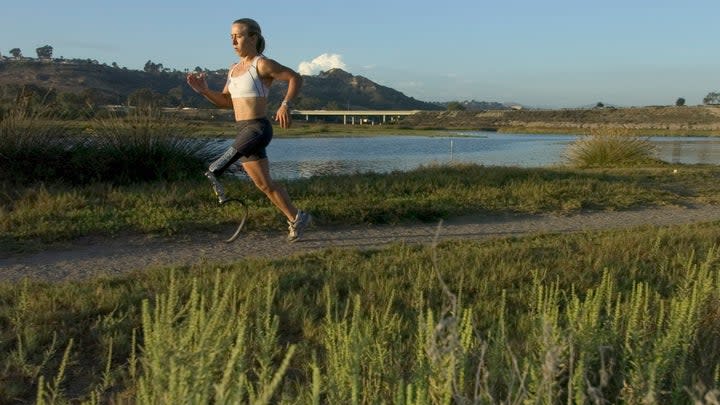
{"x": 293, "y": 158}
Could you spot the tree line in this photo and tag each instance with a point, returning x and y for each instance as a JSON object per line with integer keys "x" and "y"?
{"x": 175, "y": 98}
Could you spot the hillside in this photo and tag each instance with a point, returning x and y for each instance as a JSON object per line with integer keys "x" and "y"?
{"x": 113, "y": 85}
{"x": 93, "y": 83}
{"x": 357, "y": 92}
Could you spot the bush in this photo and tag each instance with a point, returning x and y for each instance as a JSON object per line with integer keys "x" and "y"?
{"x": 30, "y": 147}
{"x": 610, "y": 147}
{"x": 144, "y": 146}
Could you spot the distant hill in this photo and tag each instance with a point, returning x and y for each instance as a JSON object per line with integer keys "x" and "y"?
{"x": 473, "y": 105}
{"x": 345, "y": 91}
{"x": 334, "y": 89}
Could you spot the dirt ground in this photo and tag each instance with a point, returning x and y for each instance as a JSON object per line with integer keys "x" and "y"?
{"x": 93, "y": 256}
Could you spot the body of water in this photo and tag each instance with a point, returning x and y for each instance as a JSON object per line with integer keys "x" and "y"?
{"x": 293, "y": 158}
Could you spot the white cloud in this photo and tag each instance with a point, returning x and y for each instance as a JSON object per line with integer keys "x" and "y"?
{"x": 323, "y": 62}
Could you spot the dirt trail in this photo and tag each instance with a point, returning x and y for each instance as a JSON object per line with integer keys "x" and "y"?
{"x": 87, "y": 257}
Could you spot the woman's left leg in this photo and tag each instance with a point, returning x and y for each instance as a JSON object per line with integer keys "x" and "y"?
{"x": 259, "y": 172}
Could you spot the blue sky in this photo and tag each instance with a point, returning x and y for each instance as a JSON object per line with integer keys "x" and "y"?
{"x": 549, "y": 53}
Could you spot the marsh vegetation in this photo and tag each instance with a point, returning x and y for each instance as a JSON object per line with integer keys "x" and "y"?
{"x": 605, "y": 317}
{"x": 625, "y": 316}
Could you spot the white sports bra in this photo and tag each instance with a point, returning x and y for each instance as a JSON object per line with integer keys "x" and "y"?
{"x": 247, "y": 84}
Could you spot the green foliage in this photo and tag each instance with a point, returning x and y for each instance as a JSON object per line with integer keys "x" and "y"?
{"x": 151, "y": 67}
{"x": 610, "y": 317}
{"x": 144, "y": 146}
{"x": 44, "y": 52}
{"x": 680, "y": 102}
{"x": 196, "y": 348}
{"x": 610, "y": 148}
{"x": 30, "y": 149}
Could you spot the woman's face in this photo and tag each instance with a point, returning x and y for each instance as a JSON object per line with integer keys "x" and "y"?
{"x": 244, "y": 43}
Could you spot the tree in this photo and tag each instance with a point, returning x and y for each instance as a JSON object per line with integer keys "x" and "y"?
{"x": 16, "y": 53}
{"x": 680, "y": 102}
{"x": 151, "y": 67}
{"x": 455, "y": 106}
{"x": 176, "y": 93}
{"x": 44, "y": 52}
{"x": 143, "y": 98}
{"x": 599, "y": 105}
{"x": 92, "y": 97}
{"x": 712, "y": 98}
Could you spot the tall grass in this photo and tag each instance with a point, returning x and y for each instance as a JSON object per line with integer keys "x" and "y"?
{"x": 610, "y": 147}
{"x": 620, "y": 317}
{"x": 144, "y": 146}
{"x": 30, "y": 148}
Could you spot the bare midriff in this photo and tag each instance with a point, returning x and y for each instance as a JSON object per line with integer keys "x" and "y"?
{"x": 249, "y": 108}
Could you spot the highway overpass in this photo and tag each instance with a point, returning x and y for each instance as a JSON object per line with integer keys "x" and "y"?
{"x": 356, "y": 116}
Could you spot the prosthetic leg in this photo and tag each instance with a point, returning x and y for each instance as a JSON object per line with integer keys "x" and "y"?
{"x": 215, "y": 170}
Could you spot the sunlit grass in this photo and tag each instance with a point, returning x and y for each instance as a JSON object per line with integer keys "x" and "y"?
{"x": 610, "y": 148}
{"x": 613, "y": 317}
{"x": 56, "y": 212}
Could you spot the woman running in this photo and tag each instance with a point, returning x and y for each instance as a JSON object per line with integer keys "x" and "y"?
{"x": 246, "y": 92}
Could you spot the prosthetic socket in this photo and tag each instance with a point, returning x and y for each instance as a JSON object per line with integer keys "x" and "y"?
{"x": 217, "y": 168}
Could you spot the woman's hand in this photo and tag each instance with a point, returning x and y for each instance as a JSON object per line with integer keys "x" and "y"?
{"x": 197, "y": 82}
{"x": 283, "y": 116}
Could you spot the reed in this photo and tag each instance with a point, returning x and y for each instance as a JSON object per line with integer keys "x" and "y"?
{"x": 611, "y": 147}
{"x": 144, "y": 146}
{"x": 30, "y": 148}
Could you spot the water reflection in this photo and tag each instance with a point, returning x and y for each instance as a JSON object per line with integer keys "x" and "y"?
{"x": 306, "y": 157}
{"x": 691, "y": 150}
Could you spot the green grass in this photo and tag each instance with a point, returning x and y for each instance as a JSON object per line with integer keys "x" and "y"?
{"x": 48, "y": 213}
{"x": 622, "y": 316}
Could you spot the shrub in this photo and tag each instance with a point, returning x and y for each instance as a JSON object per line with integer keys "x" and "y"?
{"x": 144, "y": 146}
{"x": 610, "y": 147}
{"x": 30, "y": 147}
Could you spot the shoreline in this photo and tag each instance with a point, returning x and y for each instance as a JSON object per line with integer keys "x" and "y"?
{"x": 339, "y": 130}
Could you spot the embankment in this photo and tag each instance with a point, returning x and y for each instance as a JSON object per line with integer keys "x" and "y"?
{"x": 661, "y": 120}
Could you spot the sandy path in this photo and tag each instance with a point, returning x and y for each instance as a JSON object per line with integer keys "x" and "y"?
{"x": 86, "y": 257}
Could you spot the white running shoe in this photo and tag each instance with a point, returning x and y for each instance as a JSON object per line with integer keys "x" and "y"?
{"x": 297, "y": 227}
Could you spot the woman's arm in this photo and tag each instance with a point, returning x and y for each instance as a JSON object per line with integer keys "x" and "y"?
{"x": 198, "y": 83}
{"x": 276, "y": 71}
